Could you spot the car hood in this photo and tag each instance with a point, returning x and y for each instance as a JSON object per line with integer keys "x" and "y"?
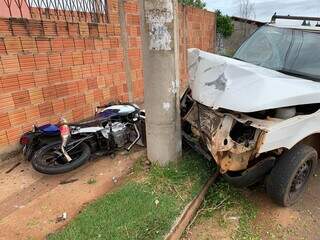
{"x": 221, "y": 82}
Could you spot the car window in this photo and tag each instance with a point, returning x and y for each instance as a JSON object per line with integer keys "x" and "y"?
{"x": 307, "y": 57}
{"x": 258, "y": 50}
{"x": 295, "y": 52}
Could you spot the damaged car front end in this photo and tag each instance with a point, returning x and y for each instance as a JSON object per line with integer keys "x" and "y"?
{"x": 231, "y": 142}
{"x": 248, "y": 116}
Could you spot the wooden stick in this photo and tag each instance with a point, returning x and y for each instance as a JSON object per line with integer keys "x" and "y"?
{"x": 13, "y": 167}
{"x": 190, "y": 211}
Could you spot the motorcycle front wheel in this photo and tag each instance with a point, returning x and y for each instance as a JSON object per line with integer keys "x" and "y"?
{"x": 50, "y": 160}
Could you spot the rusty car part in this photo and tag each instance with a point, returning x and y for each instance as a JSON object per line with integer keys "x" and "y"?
{"x": 194, "y": 144}
{"x": 215, "y": 129}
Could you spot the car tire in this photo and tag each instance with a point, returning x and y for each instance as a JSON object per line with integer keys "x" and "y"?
{"x": 289, "y": 177}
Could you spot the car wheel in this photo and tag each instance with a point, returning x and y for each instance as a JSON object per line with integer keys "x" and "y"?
{"x": 289, "y": 177}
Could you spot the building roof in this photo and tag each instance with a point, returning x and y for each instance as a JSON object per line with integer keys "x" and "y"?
{"x": 249, "y": 21}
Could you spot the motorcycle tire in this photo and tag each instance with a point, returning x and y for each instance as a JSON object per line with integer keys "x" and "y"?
{"x": 40, "y": 163}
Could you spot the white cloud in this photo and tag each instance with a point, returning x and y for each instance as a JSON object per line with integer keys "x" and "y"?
{"x": 266, "y": 8}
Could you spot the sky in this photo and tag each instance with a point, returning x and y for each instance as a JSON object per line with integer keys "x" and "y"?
{"x": 266, "y": 8}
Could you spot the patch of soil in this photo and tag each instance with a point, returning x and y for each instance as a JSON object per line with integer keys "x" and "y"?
{"x": 300, "y": 221}
{"x": 30, "y": 202}
{"x": 221, "y": 226}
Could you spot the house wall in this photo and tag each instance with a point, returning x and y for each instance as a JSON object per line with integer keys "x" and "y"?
{"x": 53, "y": 68}
{"x": 242, "y": 31}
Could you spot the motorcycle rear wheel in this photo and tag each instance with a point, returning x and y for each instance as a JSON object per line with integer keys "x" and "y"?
{"x": 48, "y": 159}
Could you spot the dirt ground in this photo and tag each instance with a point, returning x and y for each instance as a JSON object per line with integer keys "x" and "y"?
{"x": 30, "y": 202}
{"x": 302, "y": 221}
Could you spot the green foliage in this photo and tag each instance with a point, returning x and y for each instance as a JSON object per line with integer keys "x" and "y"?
{"x": 225, "y": 26}
{"x": 193, "y": 3}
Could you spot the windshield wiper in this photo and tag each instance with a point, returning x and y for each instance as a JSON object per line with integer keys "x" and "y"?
{"x": 300, "y": 75}
{"x": 238, "y": 59}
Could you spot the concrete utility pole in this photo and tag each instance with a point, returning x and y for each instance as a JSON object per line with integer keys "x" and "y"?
{"x": 161, "y": 79}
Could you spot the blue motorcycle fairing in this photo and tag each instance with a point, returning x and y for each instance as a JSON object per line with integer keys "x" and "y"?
{"x": 49, "y": 129}
{"x": 108, "y": 113}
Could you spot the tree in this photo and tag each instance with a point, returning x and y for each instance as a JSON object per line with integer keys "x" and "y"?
{"x": 225, "y": 29}
{"x": 246, "y": 11}
{"x": 193, "y": 3}
{"x": 224, "y": 24}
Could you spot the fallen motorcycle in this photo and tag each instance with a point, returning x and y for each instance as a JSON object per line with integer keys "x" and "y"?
{"x": 60, "y": 148}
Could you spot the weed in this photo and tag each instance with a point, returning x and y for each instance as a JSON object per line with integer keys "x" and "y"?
{"x": 91, "y": 181}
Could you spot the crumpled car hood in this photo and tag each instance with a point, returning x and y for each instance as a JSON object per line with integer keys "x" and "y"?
{"x": 221, "y": 82}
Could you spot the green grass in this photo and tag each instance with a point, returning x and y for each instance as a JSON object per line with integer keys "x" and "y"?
{"x": 225, "y": 198}
{"x": 143, "y": 208}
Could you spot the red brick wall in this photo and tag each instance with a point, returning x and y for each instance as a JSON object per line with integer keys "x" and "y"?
{"x": 197, "y": 30}
{"x": 4, "y": 11}
{"x": 55, "y": 68}
{"x": 51, "y": 69}
{"x": 134, "y": 47}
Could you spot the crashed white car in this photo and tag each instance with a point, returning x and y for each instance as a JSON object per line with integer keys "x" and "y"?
{"x": 258, "y": 114}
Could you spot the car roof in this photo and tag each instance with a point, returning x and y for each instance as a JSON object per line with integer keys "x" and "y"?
{"x": 294, "y": 26}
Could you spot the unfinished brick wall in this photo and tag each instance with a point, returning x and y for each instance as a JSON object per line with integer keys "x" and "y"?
{"x": 52, "y": 68}
{"x": 197, "y": 29}
{"x": 132, "y": 15}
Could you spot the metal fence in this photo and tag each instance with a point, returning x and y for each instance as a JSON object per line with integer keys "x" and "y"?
{"x": 69, "y": 10}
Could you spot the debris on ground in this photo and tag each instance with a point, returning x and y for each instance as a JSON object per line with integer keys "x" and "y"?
{"x": 115, "y": 180}
{"x": 91, "y": 181}
{"x": 69, "y": 181}
{"x": 13, "y": 167}
{"x": 62, "y": 217}
{"x": 19, "y": 206}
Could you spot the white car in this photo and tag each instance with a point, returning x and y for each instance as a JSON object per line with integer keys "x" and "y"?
{"x": 258, "y": 114}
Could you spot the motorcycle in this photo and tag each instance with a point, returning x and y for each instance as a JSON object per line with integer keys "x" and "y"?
{"x": 62, "y": 147}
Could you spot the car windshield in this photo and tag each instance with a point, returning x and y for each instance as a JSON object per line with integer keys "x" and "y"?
{"x": 291, "y": 51}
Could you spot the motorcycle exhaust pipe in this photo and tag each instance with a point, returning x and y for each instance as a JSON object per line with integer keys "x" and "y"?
{"x": 65, "y": 133}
